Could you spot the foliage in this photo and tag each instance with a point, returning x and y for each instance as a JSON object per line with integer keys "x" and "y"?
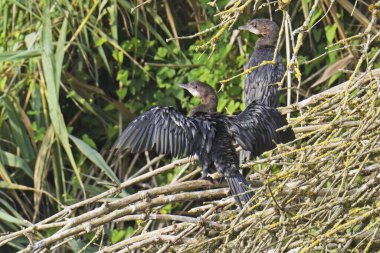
{"x": 74, "y": 73}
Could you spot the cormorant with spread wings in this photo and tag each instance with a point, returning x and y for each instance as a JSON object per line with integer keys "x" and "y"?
{"x": 208, "y": 134}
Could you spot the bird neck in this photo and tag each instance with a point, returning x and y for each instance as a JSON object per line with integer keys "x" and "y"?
{"x": 269, "y": 40}
{"x": 208, "y": 104}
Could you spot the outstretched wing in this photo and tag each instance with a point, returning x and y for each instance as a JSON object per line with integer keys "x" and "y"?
{"x": 167, "y": 129}
{"x": 255, "y": 128}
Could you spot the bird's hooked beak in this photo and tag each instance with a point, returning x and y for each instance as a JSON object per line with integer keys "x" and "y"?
{"x": 190, "y": 88}
{"x": 183, "y": 85}
{"x": 249, "y": 28}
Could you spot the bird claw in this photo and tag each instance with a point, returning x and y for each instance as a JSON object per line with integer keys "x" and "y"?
{"x": 217, "y": 177}
{"x": 206, "y": 177}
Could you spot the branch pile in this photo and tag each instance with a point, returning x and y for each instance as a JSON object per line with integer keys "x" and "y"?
{"x": 319, "y": 193}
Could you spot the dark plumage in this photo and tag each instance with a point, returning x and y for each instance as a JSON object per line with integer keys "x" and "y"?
{"x": 207, "y": 134}
{"x": 261, "y": 84}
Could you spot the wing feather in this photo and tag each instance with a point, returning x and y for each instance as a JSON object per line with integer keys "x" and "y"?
{"x": 169, "y": 131}
{"x": 255, "y": 129}
{"x": 139, "y": 138}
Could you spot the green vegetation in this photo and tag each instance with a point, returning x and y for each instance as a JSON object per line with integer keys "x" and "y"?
{"x": 74, "y": 73}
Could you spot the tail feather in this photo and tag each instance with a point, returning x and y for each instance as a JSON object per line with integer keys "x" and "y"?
{"x": 239, "y": 188}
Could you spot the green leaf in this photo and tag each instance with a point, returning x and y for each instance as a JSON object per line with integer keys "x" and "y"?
{"x": 100, "y": 41}
{"x": 20, "y": 55}
{"x": 315, "y": 16}
{"x": 166, "y": 209}
{"x": 95, "y": 157}
{"x": 49, "y": 64}
{"x": 19, "y": 133}
{"x": 161, "y": 53}
{"x": 12, "y": 160}
{"x": 60, "y": 51}
{"x": 118, "y": 56}
{"x": 9, "y": 218}
{"x": 3, "y": 82}
{"x": 333, "y": 78}
{"x": 221, "y": 104}
{"x": 39, "y": 132}
{"x": 121, "y": 93}
{"x": 30, "y": 39}
{"x": 232, "y": 106}
{"x": 88, "y": 140}
{"x": 117, "y": 235}
{"x": 330, "y": 32}
{"x": 122, "y": 76}
{"x": 130, "y": 231}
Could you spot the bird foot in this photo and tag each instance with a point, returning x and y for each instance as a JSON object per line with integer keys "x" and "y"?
{"x": 217, "y": 177}
{"x": 205, "y": 177}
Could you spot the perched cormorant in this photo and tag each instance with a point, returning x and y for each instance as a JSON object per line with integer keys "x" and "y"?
{"x": 261, "y": 84}
{"x": 207, "y": 134}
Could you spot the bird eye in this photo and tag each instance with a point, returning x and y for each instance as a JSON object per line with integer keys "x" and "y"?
{"x": 196, "y": 87}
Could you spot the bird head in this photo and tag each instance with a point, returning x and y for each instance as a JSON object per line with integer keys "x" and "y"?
{"x": 198, "y": 89}
{"x": 262, "y": 27}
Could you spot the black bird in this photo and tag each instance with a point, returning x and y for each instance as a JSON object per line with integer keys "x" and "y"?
{"x": 261, "y": 84}
{"x": 207, "y": 134}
